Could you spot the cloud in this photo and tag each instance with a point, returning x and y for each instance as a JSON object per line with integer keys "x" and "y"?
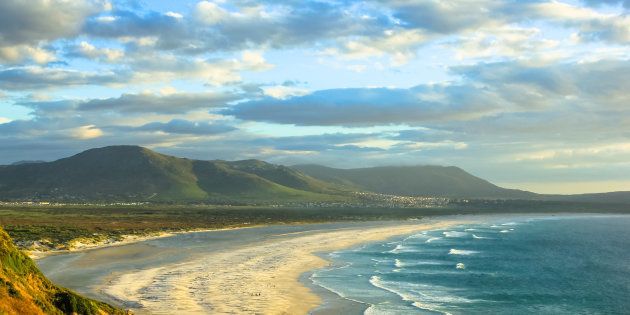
{"x": 211, "y": 27}
{"x": 176, "y": 103}
{"x": 368, "y": 106}
{"x": 592, "y": 25}
{"x": 31, "y": 78}
{"x": 17, "y": 53}
{"x": 401, "y": 45}
{"x": 27, "y": 25}
{"x": 151, "y": 67}
{"x": 283, "y": 91}
{"x": 446, "y": 17}
{"x": 87, "y": 50}
{"x": 486, "y": 90}
{"x": 28, "y": 22}
{"x": 181, "y": 126}
{"x": 87, "y": 132}
{"x": 598, "y": 85}
{"x": 503, "y": 41}
{"x": 624, "y": 3}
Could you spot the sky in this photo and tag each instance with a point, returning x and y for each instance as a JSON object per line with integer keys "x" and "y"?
{"x": 529, "y": 94}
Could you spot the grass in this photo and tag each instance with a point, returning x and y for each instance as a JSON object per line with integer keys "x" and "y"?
{"x": 25, "y": 290}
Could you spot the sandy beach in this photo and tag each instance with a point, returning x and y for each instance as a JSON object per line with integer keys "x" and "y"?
{"x": 261, "y": 277}
{"x": 89, "y": 244}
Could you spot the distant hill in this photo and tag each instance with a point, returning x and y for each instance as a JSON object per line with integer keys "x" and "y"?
{"x": 444, "y": 181}
{"x": 136, "y": 173}
{"x": 133, "y": 173}
{"x": 621, "y": 197}
{"x": 25, "y": 290}
{"x": 27, "y": 162}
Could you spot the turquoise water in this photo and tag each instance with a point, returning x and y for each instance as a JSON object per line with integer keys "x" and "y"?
{"x": 552, "y": 265}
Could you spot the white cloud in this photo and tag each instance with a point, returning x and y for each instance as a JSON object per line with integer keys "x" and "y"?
{"x": 165, "y": 67}
{"x": 108, "y": 54}
{"x": 399, "y": 45}
{"x": 254, "y": 61}
{"x": 436, "y": 145}
{"x": 19, "y": 53}
{"x": 503, "y": 41}
{"x": 610, "y": 150}
{"x": 210, "y": 13}
{"x": 174, "y": 15}
{"x": 106, "y": 19}
{"x": 592, "y": 24}
{"x": 282, "y": 92}
{"x": 86, "y": 132}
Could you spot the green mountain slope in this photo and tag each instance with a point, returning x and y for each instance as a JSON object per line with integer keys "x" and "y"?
{"x": 413, "y": 181}
{"x": 136, "y": 173}
{"x": 285, "y": 176}
{"x": 25, "y": 290}
{"x": 132, "y": 173}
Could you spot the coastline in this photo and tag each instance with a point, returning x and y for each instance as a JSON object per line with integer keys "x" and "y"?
{"x": 256, "y": 278}
{"x": 127, "y": 239}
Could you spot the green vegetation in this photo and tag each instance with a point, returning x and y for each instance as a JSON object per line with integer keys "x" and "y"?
{"x": 58, "y": 226}
{"x": 136, "y": 173}
{"x": 425, "y": 180}
{"x": 25, "y": 290}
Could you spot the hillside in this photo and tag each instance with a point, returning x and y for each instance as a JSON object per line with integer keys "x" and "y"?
{"x": 620, "y": 197}
{"x": 133, "y": 173}
{"x": 25, "y": 290}
{"x": 136, "y": 173}
{"x": 414, "y": 181}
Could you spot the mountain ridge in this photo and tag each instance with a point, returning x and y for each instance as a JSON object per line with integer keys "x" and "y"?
{"x": 133, "y": 172}
{"x": 415, "y": 180}
{"x": 139, "y": 174}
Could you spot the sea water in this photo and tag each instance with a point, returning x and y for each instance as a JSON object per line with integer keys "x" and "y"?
{"x": 546, "y": 265}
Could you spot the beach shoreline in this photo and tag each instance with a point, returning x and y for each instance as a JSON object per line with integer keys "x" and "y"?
{"x": 261, "y": 277}
{"x": 127, "y": 239}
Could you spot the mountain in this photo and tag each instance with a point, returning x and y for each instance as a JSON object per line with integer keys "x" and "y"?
{"x": 25, "y": 290}
{"x": 133, "y": 173}
{"x": 136, "y": 173}
{"x": 620, "y": 197}
{"x": 26, "y": 162}
{"x": 443, "y": 181}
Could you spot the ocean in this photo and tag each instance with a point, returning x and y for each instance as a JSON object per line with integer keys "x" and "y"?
{"x": 565, "y": 264}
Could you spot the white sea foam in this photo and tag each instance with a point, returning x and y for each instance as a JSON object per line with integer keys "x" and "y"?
{"x": 339, "y": 293}
{"x": 413, "y": 293}
{"x": 401, "y": 248}
{"x": 433, "y": 239}
{"x": 455, "y": 234}
{"x": 510, "y": 223}
{"x": 470, "y": 230}
{"x": 420, "y": 235}
{"x": 460, "y": 266}
{"x": 397, "y": 249}
{"x": 479, "y": 237}
{"x": 461, "y": 252}
{"x": 505, "y": 231}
